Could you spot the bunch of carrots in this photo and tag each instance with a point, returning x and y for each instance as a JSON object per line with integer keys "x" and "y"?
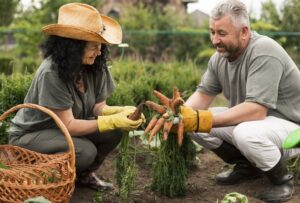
{"x": 170, "y": 167}
{"x": 167, "y": 111}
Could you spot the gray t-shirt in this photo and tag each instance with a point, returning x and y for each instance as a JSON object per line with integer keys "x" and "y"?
{"x": 48, "y": 90}
{"x": 264, "y": 74}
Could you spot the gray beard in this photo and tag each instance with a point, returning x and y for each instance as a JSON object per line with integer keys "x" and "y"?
{"x": 225, "y": 54}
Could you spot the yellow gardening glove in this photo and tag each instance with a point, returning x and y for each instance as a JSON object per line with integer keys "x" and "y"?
{"x": 118, "y": 121}
{"x": 196, "y": 121}
{"x": 109, "y": 110}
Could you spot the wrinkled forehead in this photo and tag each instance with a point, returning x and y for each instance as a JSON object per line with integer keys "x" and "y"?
{"x": 223, "y": 22}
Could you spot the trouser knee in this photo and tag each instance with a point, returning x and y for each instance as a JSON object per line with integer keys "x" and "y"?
{"x": 85, "y": 156}
{"x": 115, "y": 139}
{"x": 110, "y": 141}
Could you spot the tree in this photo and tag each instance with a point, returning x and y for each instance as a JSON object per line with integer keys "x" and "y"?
{"x": 269, "y": 13}
{"x": 7, "y": 11}
{"x": 159, "y": 35}
{"x": 290, "y": 21}
{"x": 50, "y": 8}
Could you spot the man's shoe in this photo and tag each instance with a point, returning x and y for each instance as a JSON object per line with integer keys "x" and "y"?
{"x": 283, "y": 185}
{"x": 240, "y": 173}
{"x": 243, "y": 169}
{"x": 278, "y": 193}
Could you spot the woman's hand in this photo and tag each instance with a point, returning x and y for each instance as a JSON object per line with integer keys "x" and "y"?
{"x": 118, "y": 121}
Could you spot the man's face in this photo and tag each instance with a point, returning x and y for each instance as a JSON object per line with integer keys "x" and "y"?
{"x": 226, "y": 38}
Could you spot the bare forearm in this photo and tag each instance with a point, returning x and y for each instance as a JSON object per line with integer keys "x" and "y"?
{"x": 76, "y": 127}
{"x": 247, "y": 111}
{"x": 79, "y": 127}
{"x": 98, "y": 107}
{"x": 199, "y": 101}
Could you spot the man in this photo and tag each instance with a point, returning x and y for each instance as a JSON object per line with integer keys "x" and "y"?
{"x": 261, "y": 83}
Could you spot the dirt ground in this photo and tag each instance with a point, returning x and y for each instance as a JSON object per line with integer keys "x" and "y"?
{"x": 201, "y": 185}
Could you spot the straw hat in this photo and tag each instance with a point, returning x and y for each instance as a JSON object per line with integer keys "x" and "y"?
{"x": 84, "y": 22}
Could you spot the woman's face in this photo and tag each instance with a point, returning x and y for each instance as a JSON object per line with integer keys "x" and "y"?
{"x": 91, "y": 51}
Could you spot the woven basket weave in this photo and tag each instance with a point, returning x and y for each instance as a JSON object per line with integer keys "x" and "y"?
{"x": 27, "y": 174}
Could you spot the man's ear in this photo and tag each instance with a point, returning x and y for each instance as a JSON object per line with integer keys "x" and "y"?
{"x": 245, "y": 32}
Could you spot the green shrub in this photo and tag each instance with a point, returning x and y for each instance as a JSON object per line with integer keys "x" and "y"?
{"x": 6, "y": 66}
{"x": 28, "y": 65}
{"x": 3, "y": 133}
{"x": 136, "y": 80}
{"x": 13, "y": 90}
{"x": 204, "y": 55}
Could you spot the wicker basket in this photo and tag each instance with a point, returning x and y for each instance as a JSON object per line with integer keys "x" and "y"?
{"x": 27, "y": 174}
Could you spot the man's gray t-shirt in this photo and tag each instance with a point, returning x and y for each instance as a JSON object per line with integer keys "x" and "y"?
{"x": 48, "y": 90}
{"x": 264, "y": 74}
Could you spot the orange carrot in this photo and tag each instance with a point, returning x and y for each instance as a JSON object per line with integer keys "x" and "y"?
{"x": 156, "y": 107}
{"x": 167, "y": 127}
{"x": 180, "y": 132}
{"x": 177, "y": 102}
{"x": 151, "y": 124}
{"x": 137, "y": 113}
{"x": 176, "y": 93}
{"x": 162, "y": 98}
{"x": 156, "y": 128}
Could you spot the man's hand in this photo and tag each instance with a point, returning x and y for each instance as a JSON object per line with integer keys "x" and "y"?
{"x": 195, "y": 120}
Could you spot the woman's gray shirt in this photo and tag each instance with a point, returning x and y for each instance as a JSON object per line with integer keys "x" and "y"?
{"x": 48, "y": 90}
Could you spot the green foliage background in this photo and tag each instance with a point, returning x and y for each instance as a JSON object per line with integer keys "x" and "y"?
{"x": 159, "y": 34}
{"x": 165, "y": 49}
{"x": 135, "y": 81}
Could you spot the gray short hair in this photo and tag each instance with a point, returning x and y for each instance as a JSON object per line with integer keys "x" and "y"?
{"x": 235, "y": 9}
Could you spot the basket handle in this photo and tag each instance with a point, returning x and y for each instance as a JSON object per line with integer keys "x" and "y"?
{"x": 57, "y": 120}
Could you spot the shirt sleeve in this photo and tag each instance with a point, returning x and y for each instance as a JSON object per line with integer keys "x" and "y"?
{"x": 210, "y": 83}
{"x": 105, "y": 86}
{"x": 53, "y": 92}
{"x": 263, "y": 81}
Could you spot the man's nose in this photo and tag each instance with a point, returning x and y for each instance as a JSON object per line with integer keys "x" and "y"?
{"x": 215, "y": 39}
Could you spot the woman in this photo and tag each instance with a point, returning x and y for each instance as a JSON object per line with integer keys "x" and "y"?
{"x": 74, "y": 82}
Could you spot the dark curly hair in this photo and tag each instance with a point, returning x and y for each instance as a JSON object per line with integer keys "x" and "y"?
{"x": 67, "y": 54}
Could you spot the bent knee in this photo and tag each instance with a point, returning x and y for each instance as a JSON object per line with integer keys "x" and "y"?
{"x": 246, "y": 133}
{"x": 85, "y": 156}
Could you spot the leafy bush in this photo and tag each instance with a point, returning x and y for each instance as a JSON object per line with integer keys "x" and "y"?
{"x": 3, "y": 133}
{"x": 6, "y": 65}
{"x": 204, "y": 56}
{"x": 12, "y": 92}
{"x": 135, "y": 82}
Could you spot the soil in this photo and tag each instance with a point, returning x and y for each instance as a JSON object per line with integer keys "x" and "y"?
{"x": 201, "y": 186}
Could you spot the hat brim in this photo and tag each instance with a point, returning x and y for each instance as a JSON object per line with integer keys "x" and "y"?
{"x": 111, "y": 35}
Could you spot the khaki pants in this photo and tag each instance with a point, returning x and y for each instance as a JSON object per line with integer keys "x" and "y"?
{"x": 90, "y": 150}
{"x": 259, "y": 141}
